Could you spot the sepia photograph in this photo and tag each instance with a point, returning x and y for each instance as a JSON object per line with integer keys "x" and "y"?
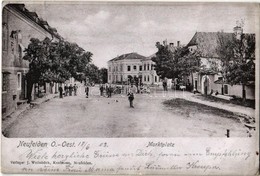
{"x": 128, "y": 69}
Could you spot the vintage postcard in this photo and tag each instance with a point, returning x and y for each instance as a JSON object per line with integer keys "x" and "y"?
{"x": 116, "y": 87}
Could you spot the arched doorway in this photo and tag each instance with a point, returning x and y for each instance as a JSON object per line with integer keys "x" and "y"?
{"x": 205, "y": 85}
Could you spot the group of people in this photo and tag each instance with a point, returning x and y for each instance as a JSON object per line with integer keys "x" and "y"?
{"x": 68, "y": 90}
{"x": 107, "y": 89}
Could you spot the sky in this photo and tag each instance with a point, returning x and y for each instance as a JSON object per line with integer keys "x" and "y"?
{"x": 111, "y": 29}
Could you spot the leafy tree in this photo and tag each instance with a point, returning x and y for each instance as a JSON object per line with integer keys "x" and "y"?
{"x": 36, "y": 54}
{"x": 103, "y": 75}
{"x": 175, "y": 64}
{"x": 92, "y": 73}
{"x": 237, "y": 56}
{"x": 164, "y": 61}
{"x": 54, "y": 62}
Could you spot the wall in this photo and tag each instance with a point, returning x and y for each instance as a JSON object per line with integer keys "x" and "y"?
{"x": 11, "y": 62}
{"x": 232, "y": 90}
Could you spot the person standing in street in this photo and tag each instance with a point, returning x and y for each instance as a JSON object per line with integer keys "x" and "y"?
{"x": 75, "y": 87}
{"x": 164, "y": 85}
{"x": 109, "y": 91}
{"x": 101, "y": 90}
{"x": 86, "y": 91}
{"x": 131, "y": 96}
{"x": 70, "y": 89}
{"x": 61, "y": 91}
{"x": 66, "y": 90}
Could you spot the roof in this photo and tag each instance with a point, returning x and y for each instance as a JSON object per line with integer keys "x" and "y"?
{"x": 150, "y": 57}
{"x": 129, "y": 56}
{"x": 207, "y": 42}
{"x": 35, "y": 18}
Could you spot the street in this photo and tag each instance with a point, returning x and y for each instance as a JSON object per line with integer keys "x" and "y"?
{"x": 96, "y": 116}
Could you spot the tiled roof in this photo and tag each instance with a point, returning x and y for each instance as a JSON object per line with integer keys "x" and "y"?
{"x": 129, "y": 56}
{"x": 34, "y": 17}
{"x": 207, "y": 42}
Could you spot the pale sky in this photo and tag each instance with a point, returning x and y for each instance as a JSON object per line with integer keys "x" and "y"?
{"x": 108, "y": 30}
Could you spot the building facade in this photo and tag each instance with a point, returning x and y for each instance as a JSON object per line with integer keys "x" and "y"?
{"x": 149, "y": 75}
{"x": 132, "y": 66}
{"x": 18, "y": 26}
{"x": 205, "y": 82}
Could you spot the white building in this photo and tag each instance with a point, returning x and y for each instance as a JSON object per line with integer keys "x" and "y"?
{"x": 132, "y": 66}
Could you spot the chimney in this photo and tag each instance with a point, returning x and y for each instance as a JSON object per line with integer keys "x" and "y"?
{"x": 178, "y": 43}
{"x": 238, "y": 30}
{"x": 171, "y": 44}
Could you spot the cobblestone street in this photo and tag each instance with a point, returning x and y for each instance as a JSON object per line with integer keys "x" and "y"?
{"x": 78, "y": 116}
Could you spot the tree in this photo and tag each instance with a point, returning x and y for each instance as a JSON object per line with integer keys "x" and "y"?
{"x": 103, "y": 75}
{"x": 36, "y": 54}
{"x": 237, "y": 55}
{"x": 92, "y": 73}
{"x": 75, "y": 59}
{"x": 54, "y": 62}
{"x": 176, "y": 64}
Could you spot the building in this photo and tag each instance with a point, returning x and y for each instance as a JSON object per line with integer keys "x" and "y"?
{"x": 19, "y": 25}
{"x": 205, "y": 82}
{"x": 126, "y": 67}
{"x": 149, "y": 75}
{"x": 132, "y": 66}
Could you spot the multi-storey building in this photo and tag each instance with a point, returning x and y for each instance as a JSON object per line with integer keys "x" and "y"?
{"x": 19, "y": 25}
{"x": 135, "y": 66}
{"x": 132, "y": 66}
{"x": 149, "y": 75}
{"x": 124, "y": 67}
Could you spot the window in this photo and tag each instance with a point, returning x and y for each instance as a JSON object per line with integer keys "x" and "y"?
{"x": 155, "y": 78}
{"x": 144, "y": 66}
{"x": 144, "y": 78}
{"x": 148, "y": 66}
{"x": 140, "y": 67}
{"x": 128, "y": 68}
{"x": 109, "y": 76}
{"x": 19, "y": 80}
{"x": 116, "y": 78}
{"x": 121, "y": 68}
{"x": 5, "y": 82}
{"x": 109, "y": 68}
{"x": 134, "y": 67}
{"x": 148, "y": 78}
